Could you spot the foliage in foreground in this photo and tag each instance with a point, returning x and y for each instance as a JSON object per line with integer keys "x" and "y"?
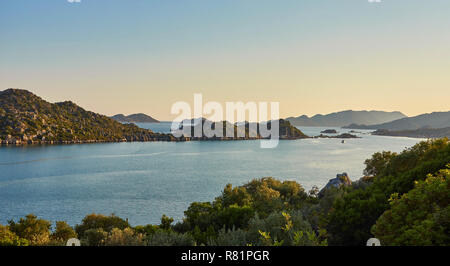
{"x": 402, "y": 200}
{"x": 352, "y": 216}
{"x": 419, "y": 217}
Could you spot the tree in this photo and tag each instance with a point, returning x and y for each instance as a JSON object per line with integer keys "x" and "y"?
{"x": 99, "y": 221}
{"x": 353, "y": 215}
{"x": 420, "y": 217}
{"x": 63, "y": 232}
{"x": 378, "y": 162}
{"x": 166, "y": 222}
{"x": 94, "y": 237}
{"x": 169, "y": 238}
{"x": 8, "y": 238}
{"x": 35, "y": 231}
{"x": 125, "y": 237}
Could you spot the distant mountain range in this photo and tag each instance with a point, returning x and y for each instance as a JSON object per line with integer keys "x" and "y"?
{"x": 345, "y": 118}
{"x": 135, "y": 118}
{"x": 433, "y": 120}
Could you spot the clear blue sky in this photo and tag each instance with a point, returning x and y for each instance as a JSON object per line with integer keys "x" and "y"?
{"x": 313, "y": 56}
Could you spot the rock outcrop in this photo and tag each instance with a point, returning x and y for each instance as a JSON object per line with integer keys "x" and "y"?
{"x": 341, "y": 180}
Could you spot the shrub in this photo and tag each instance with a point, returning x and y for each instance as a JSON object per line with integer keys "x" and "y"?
{"x": 94, "y": 237}
{"x": 8, "y": 238}
{"x": 232, "y": 237}
{"x": 353, "y": 215}
{"x": 168, "y": 238}
{"x": 125, "y": 237}
{"x": 63, "y": 232}
{"x": 35, "y": 231}
{"x": 99, "y": 221}
{"x": 420, "y": 217}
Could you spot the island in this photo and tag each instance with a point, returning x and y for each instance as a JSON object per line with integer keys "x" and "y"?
{"x": 341, "y": 136}
{"x": 134, "y": 118}
{"x": 329, "y": 131}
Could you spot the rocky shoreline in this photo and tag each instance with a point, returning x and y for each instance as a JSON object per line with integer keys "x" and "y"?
{"x": 18, "y": 142}
{"x": 419, "y": 133}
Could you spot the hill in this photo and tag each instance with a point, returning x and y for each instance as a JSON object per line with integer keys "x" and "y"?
{"x": 344, "y": 118}
{"x": 434, "y": 120}
{"x": 134, "y": 118}
{"x": 418, "y": 133}
{"x": 27, "y": 118}
{"x": 241, "y": 130}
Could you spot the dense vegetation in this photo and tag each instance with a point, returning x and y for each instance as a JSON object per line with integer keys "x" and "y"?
{"x": 354, "y": 214}
{"x": 26, "y": 118}
{"x": 403, "y": 199}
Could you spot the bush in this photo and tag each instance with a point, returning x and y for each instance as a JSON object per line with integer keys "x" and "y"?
{"x": 169, "y": 238}
{"x": 282, "y": 229}
{"x": 420, "y": 217}
{"x": 99, "y": 221}
{"x": 146, "y": 230}
{"x": 353, "y": 215}
{"x": 35, "y": 231}
{"x": 125, "y": 237}
{"x": 94, "y": 237}
{"x": 63, "y": 232}
{"x": 8, "y": 238}
{"x": 232, "y": 237}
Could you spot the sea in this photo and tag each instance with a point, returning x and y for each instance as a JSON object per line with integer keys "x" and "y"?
{"x": 141, "y": 181}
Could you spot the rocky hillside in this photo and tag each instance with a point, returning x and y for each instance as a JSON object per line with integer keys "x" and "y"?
{"x": 26, "y": 118}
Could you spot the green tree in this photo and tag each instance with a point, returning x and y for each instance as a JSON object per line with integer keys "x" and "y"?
{"x": 170, "y": 238}
{"x": 8, "y": 238}
{"x": 99, "y": 221}
{"x": 146, "y": 230}
{"x": 352, "y": 216}
{"x": 420, "y": 217}
{"x": 125, "y": 237}
{"x": 166, "y": 222}
{"x": 378, "y": 163}
{"x": 63, "y": 232}
{"x": 35, "y": 231}
{"x": 94, "y": 237}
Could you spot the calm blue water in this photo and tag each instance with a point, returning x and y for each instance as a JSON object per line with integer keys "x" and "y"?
{"x": 142, "y": 181}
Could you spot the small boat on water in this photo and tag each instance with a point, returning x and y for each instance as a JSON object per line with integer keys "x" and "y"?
{"x": 343, "y": 141}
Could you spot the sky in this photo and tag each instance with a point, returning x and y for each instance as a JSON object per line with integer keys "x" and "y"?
{"x": 311, "y": 56}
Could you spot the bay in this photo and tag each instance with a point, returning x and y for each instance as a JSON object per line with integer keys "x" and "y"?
{"x": 143, "y": 181}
